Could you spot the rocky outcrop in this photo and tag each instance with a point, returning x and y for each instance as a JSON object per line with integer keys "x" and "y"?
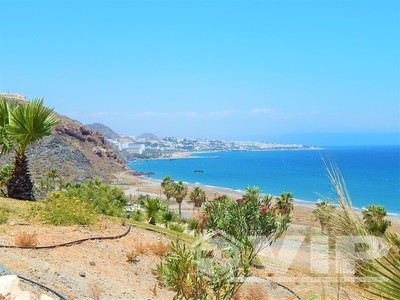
{"x": 75, "y": 151}
{"x": 106, "y": 131}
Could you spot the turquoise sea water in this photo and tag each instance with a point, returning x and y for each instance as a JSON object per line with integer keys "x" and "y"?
{"x": 372, "y": 174}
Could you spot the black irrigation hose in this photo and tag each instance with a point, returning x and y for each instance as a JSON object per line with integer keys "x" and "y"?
{"x": 286, "y": 288}
{"x": 43, "y": 287}
{"x": 69, "y": 243}
{"x": 61, "y": 245}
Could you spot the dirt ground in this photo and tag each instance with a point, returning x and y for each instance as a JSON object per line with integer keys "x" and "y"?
{"x": 100, "y": 270}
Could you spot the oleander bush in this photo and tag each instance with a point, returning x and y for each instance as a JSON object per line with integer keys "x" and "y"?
{"x": 216, "y": 268}
{"x": 194, "y": 225}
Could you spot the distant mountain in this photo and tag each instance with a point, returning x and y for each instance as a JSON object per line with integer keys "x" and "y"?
{"x": 147, "y": 135}
{"x": 106, "y": 131}
{"x": 74, "y": 150}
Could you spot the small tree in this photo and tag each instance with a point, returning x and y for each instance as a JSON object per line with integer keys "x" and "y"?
{"x": 284, "y": 203}
{"x": 179, "y": 192}
{"x": 198, "y": 197}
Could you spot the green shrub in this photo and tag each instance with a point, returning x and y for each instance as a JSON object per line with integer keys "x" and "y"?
{"x": 137, "y": 215}
{"x": 168, "y": 217}
{"x": 177, "y": 227}
{"x": 194, "y": 225}
{"x": 216, "y": 268}
{"x": 3, "y": 217}
{"x": 107, "y": 200}
{"x": 60, "y": 209}
{"x": 153, "y": 208}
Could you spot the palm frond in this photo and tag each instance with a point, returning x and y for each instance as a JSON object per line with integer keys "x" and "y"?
{"x": 30, "y": 122}
{"x": 384, "y": 271}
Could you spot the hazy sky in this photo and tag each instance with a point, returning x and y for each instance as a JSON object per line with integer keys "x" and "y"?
{"x": 314, "y": 72}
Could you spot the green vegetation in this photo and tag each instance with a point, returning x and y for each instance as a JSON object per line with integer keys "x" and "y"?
{"x": 79, "y": 203}
{"x": 4, "y": 214}
{"x": 20, "y": 126}
{"x": 177, "y": 227}
{"x": 198, "y": 197}
{"x": 5, "y": 176}
{"x": 373, "y": 218}
{"x": 61, "y": 209}
{"x": 179, "y": 193}
{"x": 324, "y": 213}
{"x": 194, "y": 225}
{"x": 175, "y": 190}
{"x": 346, "y": 222}
{"x": 168, "y": 217}
{"x": 284, "y": 203}
{"x": 199, "y": 272}
{"x": 153, "y": 208}
{"x": 107, "y": 200}
{"x": 167, "y": 186}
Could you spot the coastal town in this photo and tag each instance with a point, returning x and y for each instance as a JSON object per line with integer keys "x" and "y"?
{"x": 153, "y": 147}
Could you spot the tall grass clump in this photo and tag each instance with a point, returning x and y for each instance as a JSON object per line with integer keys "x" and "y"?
{"x": 382, "y": 271}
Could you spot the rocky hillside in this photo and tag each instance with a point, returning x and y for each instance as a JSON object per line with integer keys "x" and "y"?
{"x": 105, "y": 130}
{"x": 75, "y": 151}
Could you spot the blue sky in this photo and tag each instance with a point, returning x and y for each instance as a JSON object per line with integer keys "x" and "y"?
{"x": 315, "y": 72}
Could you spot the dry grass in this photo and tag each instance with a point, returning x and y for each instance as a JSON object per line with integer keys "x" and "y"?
{"x": 96, "y": 291}
{"x": 141, "y": 247}
{"x": 132, "y": 256}
{"x": 251, "y": 292}
{"x": 153, "y": 290}
{"x": 26, "y": 239}
{"x": 160, "y": 248}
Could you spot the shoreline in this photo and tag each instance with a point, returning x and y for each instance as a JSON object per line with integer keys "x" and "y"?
{"x": 187, "y": 154}
{"x": 136, "y": 185}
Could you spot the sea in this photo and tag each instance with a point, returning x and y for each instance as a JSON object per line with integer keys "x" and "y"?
{"x": 371, "y": 173}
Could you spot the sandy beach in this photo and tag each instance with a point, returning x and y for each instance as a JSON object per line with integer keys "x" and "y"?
{"x": 134, "y": 186}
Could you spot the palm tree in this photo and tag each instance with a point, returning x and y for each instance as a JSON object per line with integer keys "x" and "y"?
{"x": 20, "y": 126}
{"x": 168, "y": 217}
{"x": 167, "y": 186}
{"x": 198, "y": 197}
{"x": 373, "y": 218}
{"x": 324, "y": 214}
{"x": 284, "y": 203}
{"x": 153, "y": 207}
{"x": 179, "y": 191}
